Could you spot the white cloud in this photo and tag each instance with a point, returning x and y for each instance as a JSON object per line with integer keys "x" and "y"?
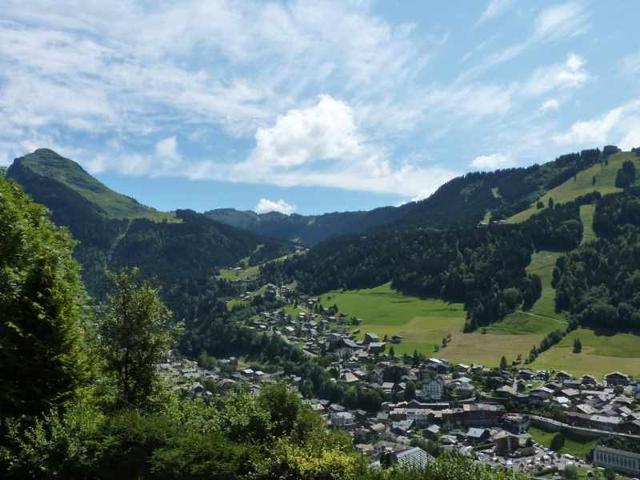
{"x": 167, "y": 147}
{"x": 323, "y": 131}
{"x": 563, "y": 20}
{"x": 265, "y": 205}
{"x": 494, "y": 9}
{"x": 619, "y": 126}
{"x": 492, "y": 162}
{"x": 551, "y": 24}
{"x": 550, "y": 105}
{"x": 565, "y": 76}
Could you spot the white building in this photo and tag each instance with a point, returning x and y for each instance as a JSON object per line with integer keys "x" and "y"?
{"x": 618, "y": 460}
{"x": 433, "y": 388}
{"x": 412, "y": 458}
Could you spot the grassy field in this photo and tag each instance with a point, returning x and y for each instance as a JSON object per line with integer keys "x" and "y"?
{"x": 583, "y": 183}
{"x": 586, "y": 216}
{"x": 243, "y": 274}
{"x": 600, "y": 355}
{"x": 573, "y": 445}
{"x": 421, "y": 322}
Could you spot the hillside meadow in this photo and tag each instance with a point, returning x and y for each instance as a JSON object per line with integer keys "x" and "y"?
{"x": 582, "y": 184}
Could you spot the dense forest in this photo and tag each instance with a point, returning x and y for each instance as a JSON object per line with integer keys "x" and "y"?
{"x": 114, "y": 231}
{"x": 482, "y": 266}
{"x": 82, "y": 399}
{"x": 598, "y": 283}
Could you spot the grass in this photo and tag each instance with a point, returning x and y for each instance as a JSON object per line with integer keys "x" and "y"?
{"x": 575, "y": 446}
{"x": 586, "y": 216}
{"x": 424, "y": 322}
{"x": 583, "y": 184}
{"x": 601, "y": 354}
{"x": 243, "y": 274}
{"x": 47, "y": 163}
{"x": 421, "y": 322}
{"x": 541, "y": 318}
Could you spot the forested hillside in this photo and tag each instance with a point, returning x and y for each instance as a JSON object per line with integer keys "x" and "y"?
{"x": 482, "y": 266}
{"x": 82, "y": 397}
{"x": 599, "y": 283}
{"x": 463, "y": 201}
{"x": 114, "y": 231}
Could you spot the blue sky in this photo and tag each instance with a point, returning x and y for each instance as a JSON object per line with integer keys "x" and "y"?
{"x": 311, "y": 107}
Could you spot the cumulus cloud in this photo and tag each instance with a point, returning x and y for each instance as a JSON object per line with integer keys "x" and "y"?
{"x": 492, "y": 162}
{"x": 322, "y": 131}
{"x": 619, "y": 126}
{"x": 265, "y": 205}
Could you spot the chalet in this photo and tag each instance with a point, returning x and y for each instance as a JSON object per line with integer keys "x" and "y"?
{"x": 543, "y": 393}
{"x": 477, "y": 435}
{"x": 342, "y": 419}
{"x": 516, "y": 423}
{"x": 371, "y": 337}
{"x": 588, "y": 380}
{"x": 376, "y": 347}
{"x": 616, "y": 378}
{"x": 563, "y": 376}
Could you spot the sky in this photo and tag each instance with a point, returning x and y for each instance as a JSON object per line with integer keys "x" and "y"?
{"x": 313, "y": 106}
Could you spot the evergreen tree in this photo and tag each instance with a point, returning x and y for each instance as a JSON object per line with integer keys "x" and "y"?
{"x": 410, "y": 391}
{"x": 135, "y": 334}
{"x": 577, "y": 345}
{"x": 41, "y": 360}
{"x": 557, "y": 442}
{"x": 503, "y": 363}
{"x": 392, "y": 352}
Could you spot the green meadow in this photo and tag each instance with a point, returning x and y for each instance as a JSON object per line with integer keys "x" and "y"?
{"x": 582, "y": 184}
{"x": 421, "y": 322}
{"x": 575, "y": 446}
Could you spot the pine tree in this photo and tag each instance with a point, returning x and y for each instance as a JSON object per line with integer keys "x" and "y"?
{"x": 577, "y": 345}
{"x": 503, "y": 363}
{"x": 42, "y": 362}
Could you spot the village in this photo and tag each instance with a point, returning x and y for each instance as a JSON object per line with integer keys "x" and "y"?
{"x": 431, "y": 405}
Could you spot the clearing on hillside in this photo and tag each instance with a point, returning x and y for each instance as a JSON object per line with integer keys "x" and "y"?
{"x": 601, "y": 354}
{"x": 582, "y": 184}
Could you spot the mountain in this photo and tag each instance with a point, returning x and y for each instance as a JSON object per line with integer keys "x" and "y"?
{"x": 464, "y": 201}
{"x": 484, "y": 265}
{"x": 114, "y": 231}
{"x": 306, "y": 229}
{"x": 46, "y": 167}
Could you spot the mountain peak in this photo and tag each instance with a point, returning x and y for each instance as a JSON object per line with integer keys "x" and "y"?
{"x": 44, "y": 171}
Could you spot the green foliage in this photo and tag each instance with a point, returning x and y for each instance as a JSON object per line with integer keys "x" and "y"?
{"x": 135, "y": 332}
{"x": 598, "y": 282}
{"x": 482, "y": 267}
{"x": 42, "y": 362}
{"x": 465, "y": 200}
{"x": 557, "y": 442}
{"x": 577, "y": 345}
{"x": 626, "y": 176}
{"x": 115, "y": 231}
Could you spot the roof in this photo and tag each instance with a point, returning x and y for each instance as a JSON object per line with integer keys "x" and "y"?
{"x": 476, "y": 432}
